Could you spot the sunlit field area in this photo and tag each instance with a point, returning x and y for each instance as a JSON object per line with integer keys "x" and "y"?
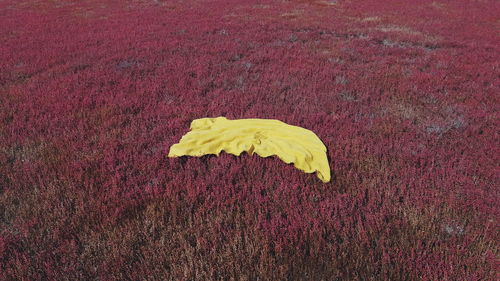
{"x": 404, "y": 95}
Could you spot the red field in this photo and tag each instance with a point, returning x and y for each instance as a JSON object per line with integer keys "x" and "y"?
{"x": 404, "y": 94}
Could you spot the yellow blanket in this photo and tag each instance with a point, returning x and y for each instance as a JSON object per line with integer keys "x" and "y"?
{"x": 266, "y": 137}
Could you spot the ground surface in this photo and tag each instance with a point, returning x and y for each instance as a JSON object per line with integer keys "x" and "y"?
{"x": 403, "y": 93}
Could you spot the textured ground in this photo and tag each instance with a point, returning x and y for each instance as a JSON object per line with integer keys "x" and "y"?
{"x": 405, "y": 95}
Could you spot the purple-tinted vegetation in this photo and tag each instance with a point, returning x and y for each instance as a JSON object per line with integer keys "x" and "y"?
{"x": 403, "y": 93}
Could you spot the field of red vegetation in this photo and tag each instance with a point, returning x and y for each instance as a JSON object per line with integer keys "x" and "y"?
{"x": 404, "y": 94}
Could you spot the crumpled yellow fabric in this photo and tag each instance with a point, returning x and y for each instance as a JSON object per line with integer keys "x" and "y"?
{"x": 266, "y": 137}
